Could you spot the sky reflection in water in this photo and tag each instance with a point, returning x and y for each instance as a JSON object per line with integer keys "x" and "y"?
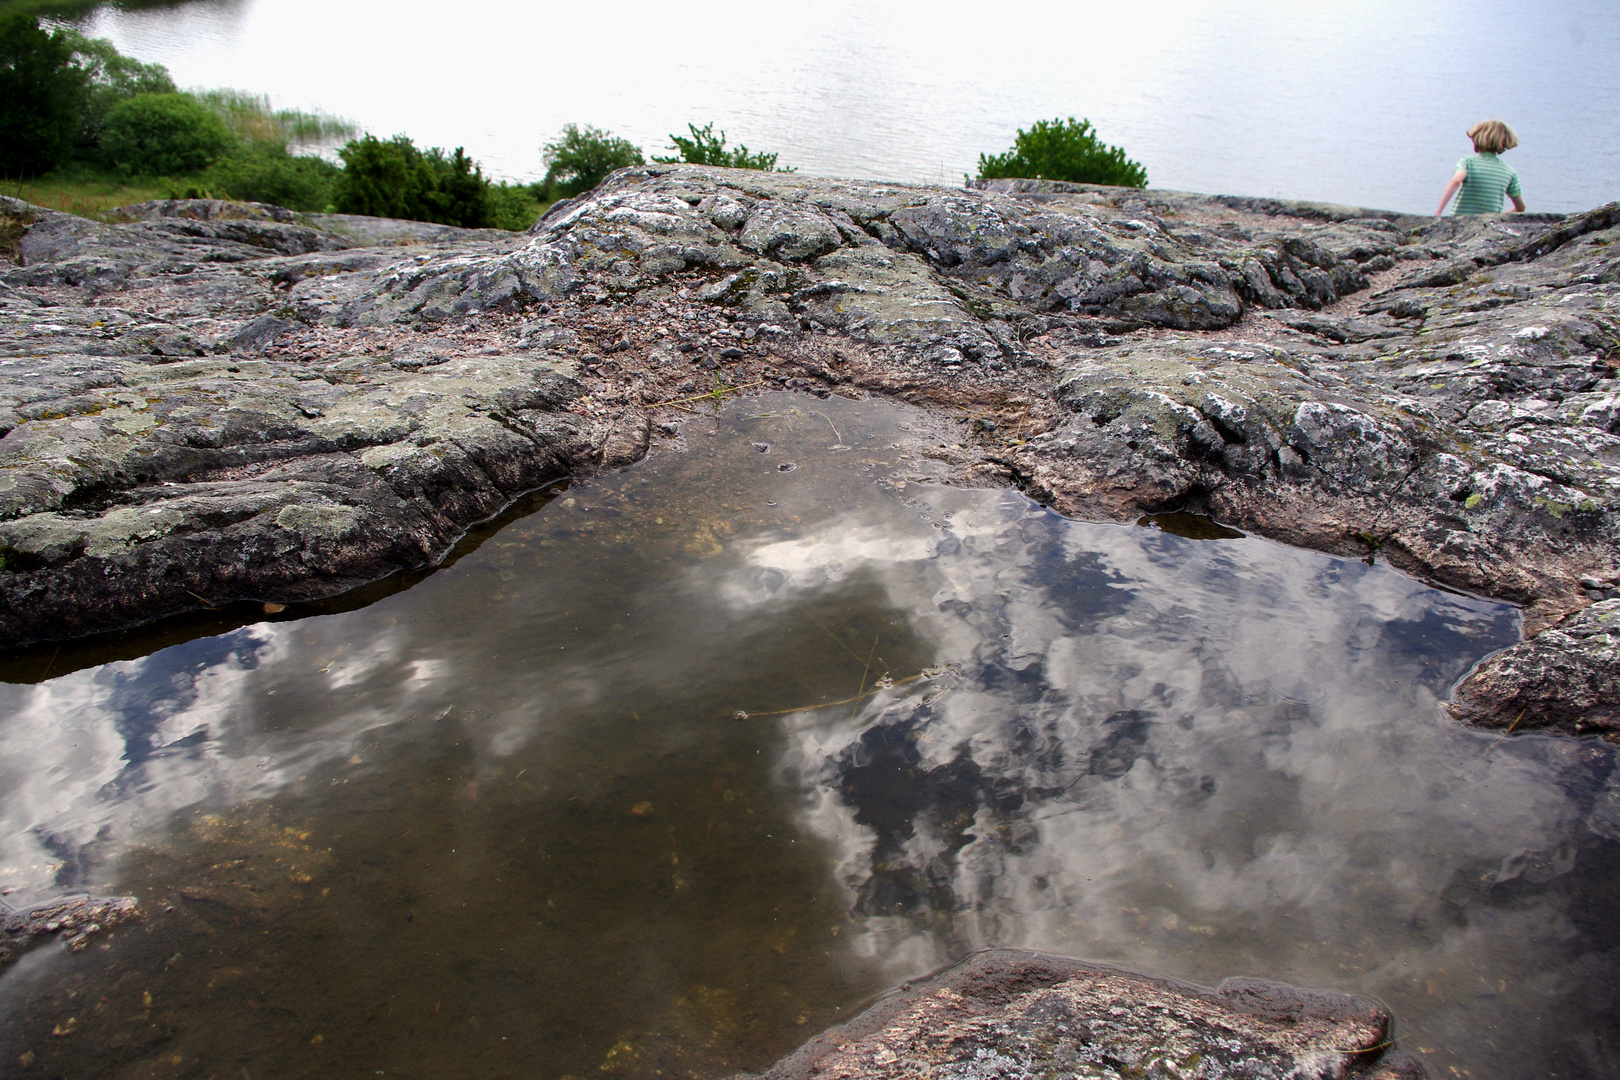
{"x": 516, "y": 820}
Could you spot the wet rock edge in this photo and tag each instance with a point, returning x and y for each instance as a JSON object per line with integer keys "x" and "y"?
{"x": 1440, "y": 394}
{"x": 1012, "y": 1013}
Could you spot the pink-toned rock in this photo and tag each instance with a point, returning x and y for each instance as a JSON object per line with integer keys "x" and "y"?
{"x": 1007, "y": 1015}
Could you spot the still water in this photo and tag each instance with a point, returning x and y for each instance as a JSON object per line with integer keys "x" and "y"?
{"x": 684, "y": 765}
{"x": 1355, "y": 101}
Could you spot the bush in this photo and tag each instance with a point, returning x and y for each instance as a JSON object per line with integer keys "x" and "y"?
{"x": 579, "y": 160}
{"x": 515, "y": 206}
{"x": 1064, "y": 150}
{"x": 267, "y": 173}
{"x": 395, "y": 179}
{"x": 42, "y": 94}
{"x": 162, "y": 135}
{"x": 704, "y": 148}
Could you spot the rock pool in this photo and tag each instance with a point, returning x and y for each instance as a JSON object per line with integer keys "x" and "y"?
{"x": 681, "y": 765}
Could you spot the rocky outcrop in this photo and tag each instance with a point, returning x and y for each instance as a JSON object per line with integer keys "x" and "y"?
{"x": 156, "y": 460}
{"x": 1564, "y": 677}
{"x": 1012, "y": 1015}
{"x": 207, "y": 401}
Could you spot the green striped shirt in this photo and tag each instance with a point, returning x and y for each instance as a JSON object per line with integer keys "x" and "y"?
{"x": 1488, "y": 180}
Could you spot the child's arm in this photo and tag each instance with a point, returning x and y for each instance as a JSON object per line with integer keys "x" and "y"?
{"x": 1518, "y": 204}
{"x": 1451, "y": 189}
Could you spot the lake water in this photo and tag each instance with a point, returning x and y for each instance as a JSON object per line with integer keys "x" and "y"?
{"x": 1355, "y": 101}
{"x": 685, "y": 764}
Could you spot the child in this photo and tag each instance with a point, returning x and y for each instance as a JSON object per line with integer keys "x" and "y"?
{"x": 1483, "y": 178}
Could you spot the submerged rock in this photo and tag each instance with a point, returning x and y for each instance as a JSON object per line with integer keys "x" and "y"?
{"x": 76, "y": 920}
{"x": 202, "y": 401}
{"x": 1010, "y": 1015}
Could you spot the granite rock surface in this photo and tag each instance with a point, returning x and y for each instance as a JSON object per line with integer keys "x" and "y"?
{"x": 1564, "y": 677}
{"x": 205, "y": 401}
{"x": 1008, "y": 1015}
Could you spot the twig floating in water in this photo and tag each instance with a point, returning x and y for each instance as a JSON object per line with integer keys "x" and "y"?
{"x": 1506, "y": 733}
{"x": 710, "y": 395}
{"x": 878, "y": 689}
{"x": 840, "y": 641}
{"x": 866, "y": 669}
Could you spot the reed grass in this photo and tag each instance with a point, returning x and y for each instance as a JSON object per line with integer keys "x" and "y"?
{"x": 253, "y": 119}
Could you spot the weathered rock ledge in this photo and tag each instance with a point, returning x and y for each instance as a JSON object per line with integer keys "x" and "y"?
{"x": 209, "y": 402}
{"x": 1009, "y": 1015}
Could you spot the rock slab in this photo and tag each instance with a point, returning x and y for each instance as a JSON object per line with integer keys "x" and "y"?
{"x": 1011, "y": 1015}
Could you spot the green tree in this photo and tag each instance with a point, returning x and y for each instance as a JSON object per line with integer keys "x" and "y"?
{"x": 111, "y": 77}
{"x": 396, "y": 179}
{"x": 1064, "y": 150}
{"x": 162, "y": 135}
{"x": 42, "y": 94}
{"x": 705, "y": 148}
{"x": 581, "y": 157}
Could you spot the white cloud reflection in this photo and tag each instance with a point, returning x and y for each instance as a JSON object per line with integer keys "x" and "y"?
{"x": 1197, "y": 758}
{"x": 95, "y": 761}
{"x": 1201, "y": 758}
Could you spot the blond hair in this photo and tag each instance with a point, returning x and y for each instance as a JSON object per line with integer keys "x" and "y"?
{"x": 1492, "y": 137}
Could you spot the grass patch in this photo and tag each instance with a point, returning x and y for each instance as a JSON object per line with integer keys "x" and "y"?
{"x": 87, "y": 194}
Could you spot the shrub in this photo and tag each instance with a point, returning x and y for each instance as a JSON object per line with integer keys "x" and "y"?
{"x": 705, "y": 148}
{"x": 515, "y": 206}
{"x": 162, "y": 135}
{"x": 42, "y": 93}
{"x": 581, "y": 157}
{"x": 1064, "y": 150}
{"x": 395, "y": 179}
{"x": 267, "y": 173}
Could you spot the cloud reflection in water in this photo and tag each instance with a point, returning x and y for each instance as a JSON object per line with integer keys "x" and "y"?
{"x": 1203, "y": 758}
